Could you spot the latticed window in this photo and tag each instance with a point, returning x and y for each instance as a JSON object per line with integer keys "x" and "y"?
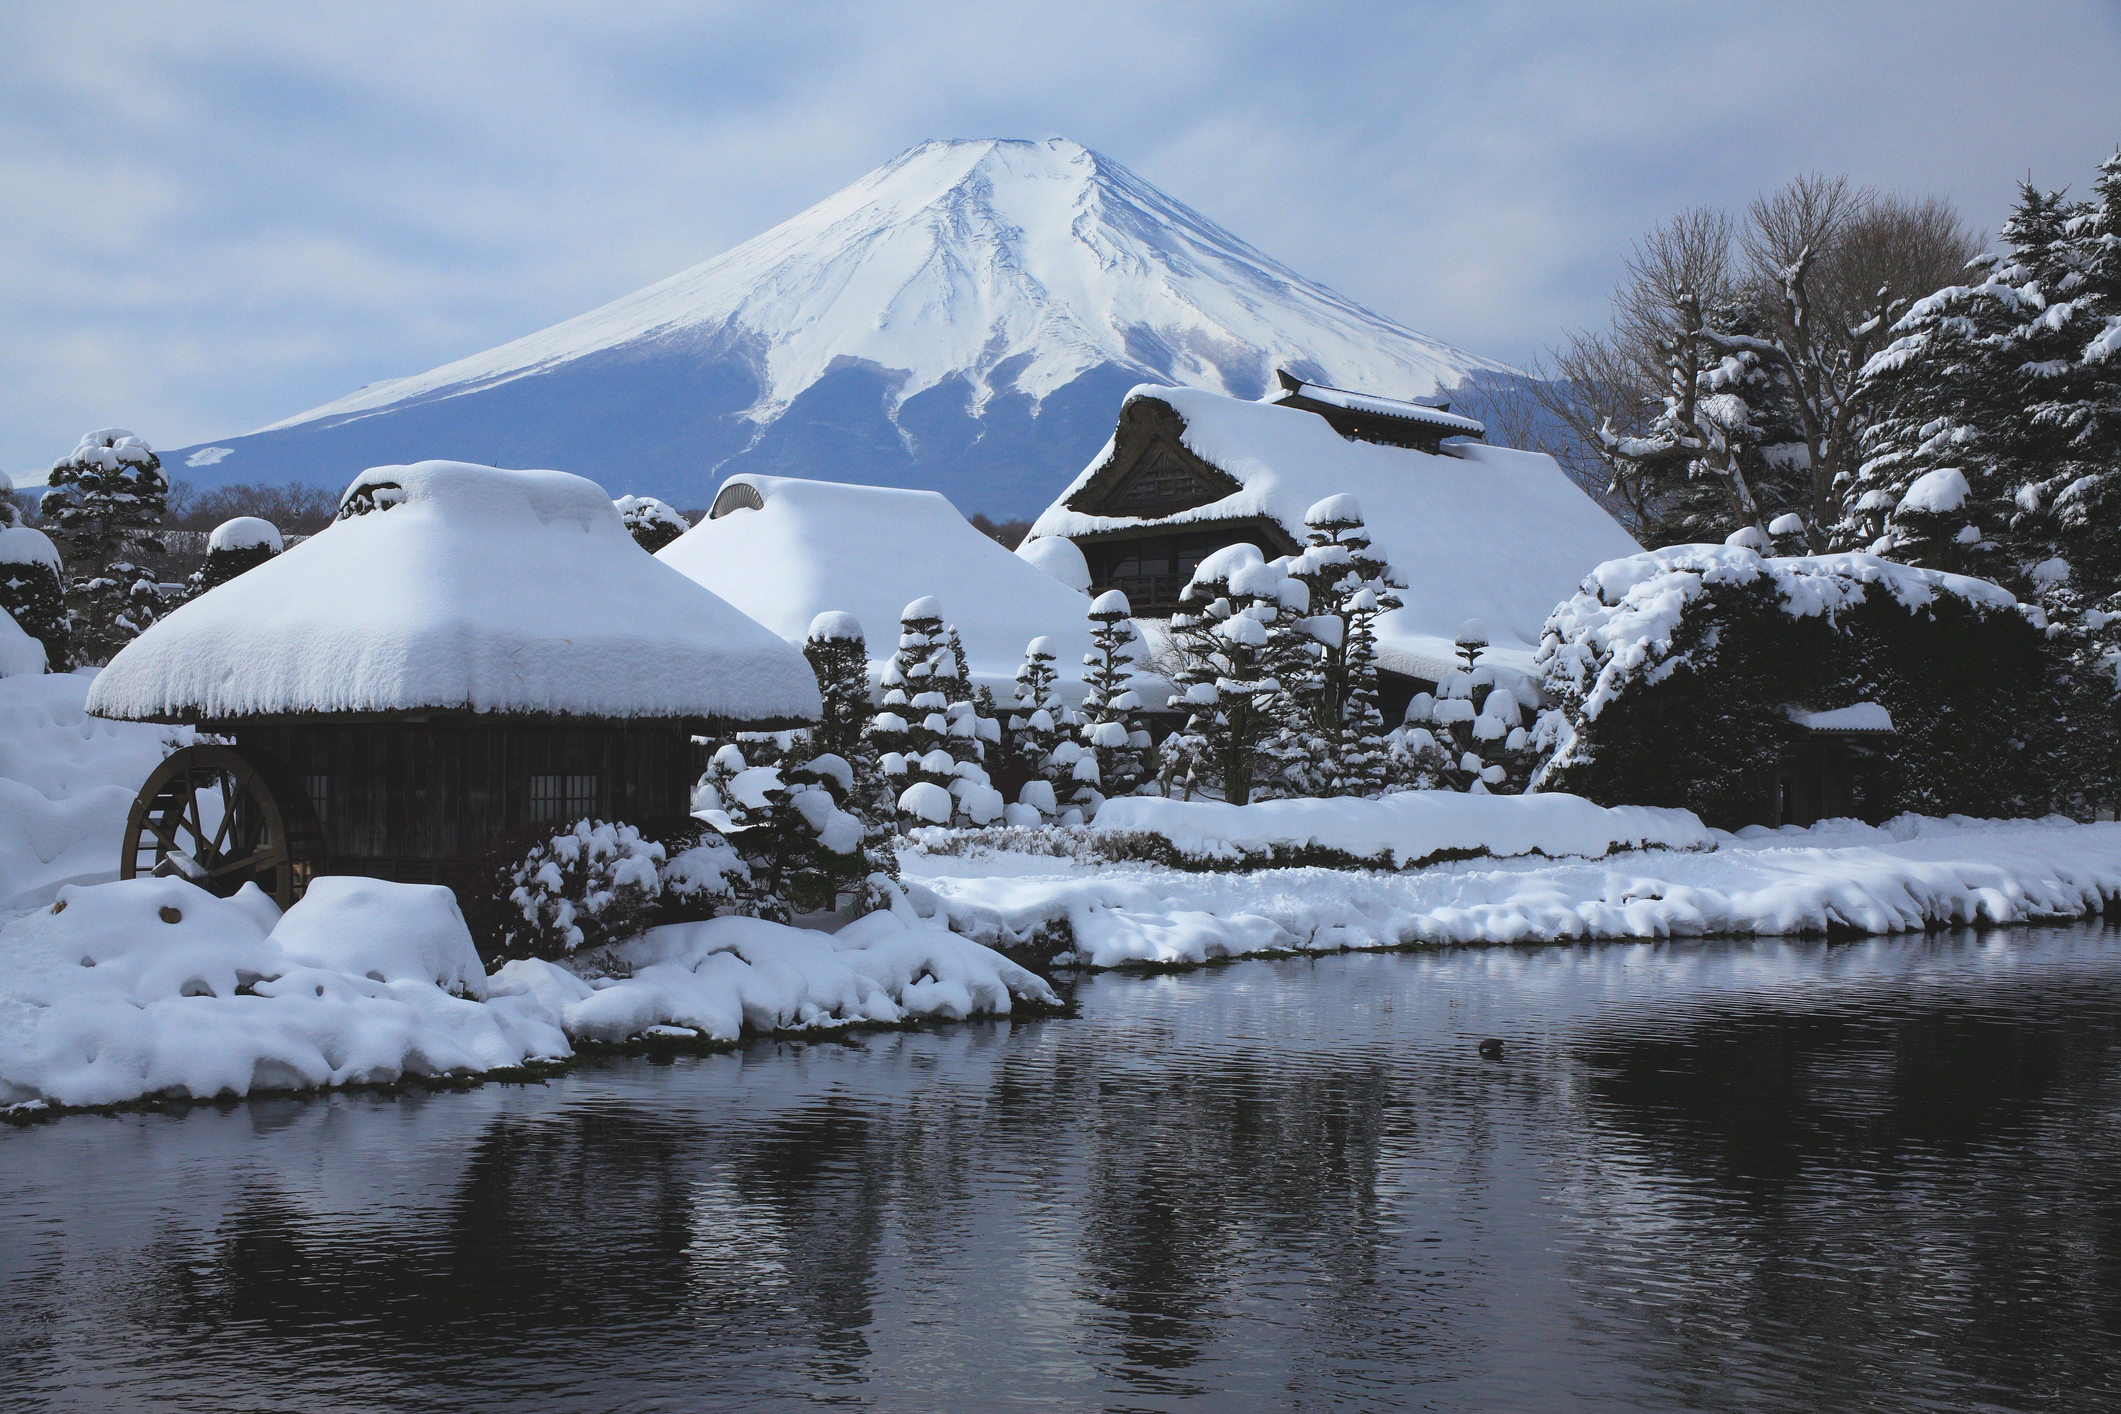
{"x": 564, "y": 798}
{"x": 318, "y": 788}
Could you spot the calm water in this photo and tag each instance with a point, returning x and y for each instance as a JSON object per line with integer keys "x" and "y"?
{"x": 1884, "y": 1175}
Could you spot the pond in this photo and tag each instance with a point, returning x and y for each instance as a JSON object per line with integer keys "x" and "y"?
{"x": 1768, "y": 1175}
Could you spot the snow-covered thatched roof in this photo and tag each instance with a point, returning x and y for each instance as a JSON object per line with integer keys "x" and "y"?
{"x": 813, "y": 546}
{"x": 1481, "y": 532}
{"x": 465, "y": 587}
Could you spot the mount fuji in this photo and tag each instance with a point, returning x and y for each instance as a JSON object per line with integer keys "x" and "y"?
{"x": 966, "y": 318}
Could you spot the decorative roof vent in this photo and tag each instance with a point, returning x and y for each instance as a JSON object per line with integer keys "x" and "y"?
{"x": 1362, "y": 417}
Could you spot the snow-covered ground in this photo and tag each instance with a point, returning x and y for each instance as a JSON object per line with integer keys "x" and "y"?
{"x": 154, "y": 987}
{"x": 1840, "y": 875}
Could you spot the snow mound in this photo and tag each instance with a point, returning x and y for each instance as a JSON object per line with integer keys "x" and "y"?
{"x": 66, "y": 782}
{"x": 1909, "y": 874}
{"x": 155, "y": 987}
{"x": 27, "y": 545}
{"x": 1939, "y": 491}
{"x": 466, "y": 587}
{"x": 835, "y": 625}
{"x": 245, "y": 533}
{"x": 813, "y": 546}
{"x": 1404, "y": 830}
{"x": 20, "y": 655}
{"x": 1058, "y": 557}
{"x": 1859, "y": 717}
{"x": 1481, "y": 532}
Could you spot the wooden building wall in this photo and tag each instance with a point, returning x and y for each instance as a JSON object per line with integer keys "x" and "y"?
{"x": 427, "y": 801}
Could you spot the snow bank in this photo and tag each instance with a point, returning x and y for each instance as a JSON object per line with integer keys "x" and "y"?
{"x": 466, "y": 587}
{"x": 1911, "y": 873}
{"x": 66, "y": 782}
{"x": 153, "y": 987}
{"x": 1403, "y": 830}
{"x": 868, "y": 550}
{"x": 20, "y": 655}
{"x": 1484, "y": 532}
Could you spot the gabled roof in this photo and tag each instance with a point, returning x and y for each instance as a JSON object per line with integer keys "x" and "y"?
{"x": 785, "y": 550}
{"x": 467, "y": 587}
{"x": 1477, "y": 532}
{"x": 1317, "y": 397}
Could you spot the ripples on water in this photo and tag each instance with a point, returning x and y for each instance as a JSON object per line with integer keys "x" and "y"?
{"x": 1738, "y": 1176}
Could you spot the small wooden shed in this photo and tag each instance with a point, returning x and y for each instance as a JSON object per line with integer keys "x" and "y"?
{"x": 465, "y": 652}
{"x": 1822, "y": 767}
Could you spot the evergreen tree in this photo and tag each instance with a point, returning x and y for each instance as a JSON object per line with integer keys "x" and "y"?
{"x": 1112, "y": 728}
{"x": 1471, "y": 734}
{"x": 33, "y": 586}
{"x": 1236, "y": 636}
{"x": 840, "y": 658}
{"x": 930, "y": 728}
{"x": 1349, "y": 586}
{"x": 651, "y": 523}
{"x": 235, "y": 547}
{"x": 107, "y": 497}
{"x": 1038, "y": 725}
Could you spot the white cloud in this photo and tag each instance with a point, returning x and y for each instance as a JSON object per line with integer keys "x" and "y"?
{"x": 215, "y": 224}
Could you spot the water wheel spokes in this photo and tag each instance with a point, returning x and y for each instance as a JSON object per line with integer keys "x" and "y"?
{"x": 222, "y": 817}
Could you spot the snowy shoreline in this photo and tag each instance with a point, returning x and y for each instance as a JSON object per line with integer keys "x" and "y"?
{"x": 1839, "y": 878}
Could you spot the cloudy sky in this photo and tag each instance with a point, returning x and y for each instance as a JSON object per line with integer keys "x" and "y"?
{"x": 219, "y": 215}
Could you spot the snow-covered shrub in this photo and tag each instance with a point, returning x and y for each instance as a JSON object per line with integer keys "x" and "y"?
{"x": 651, "y": 523}
{"x": 1675, "y": 671}
{"x": 235, "y": 546}
{"x": 33, "y": 589}
{"x": 840, "y": 658}
{"x": 107, "y": 497}
{"x": 588, "y": 886}
{"x": 1040, "y": 720}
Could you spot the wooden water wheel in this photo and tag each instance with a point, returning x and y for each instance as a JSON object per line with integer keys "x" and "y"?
{"x": 223, "y": 817}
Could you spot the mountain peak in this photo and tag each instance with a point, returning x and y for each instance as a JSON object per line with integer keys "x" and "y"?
{"x": 965, "y": 270}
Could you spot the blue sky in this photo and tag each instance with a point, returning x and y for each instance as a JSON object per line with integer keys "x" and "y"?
{"x": 219, "y": 215}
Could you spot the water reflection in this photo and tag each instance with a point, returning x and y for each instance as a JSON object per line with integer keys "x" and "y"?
{"x": 1718, "y": 1176}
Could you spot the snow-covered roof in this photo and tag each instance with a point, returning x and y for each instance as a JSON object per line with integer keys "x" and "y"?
{"x": 1388, "y": 407}
{"x": 1482, "y": 532}
{"x": 812, "y": 546}
{"x": 1860, "y": 717}
{"x": 468, "y": 587}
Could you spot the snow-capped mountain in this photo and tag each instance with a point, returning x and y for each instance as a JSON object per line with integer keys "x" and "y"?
{"x": 965, "y": 318}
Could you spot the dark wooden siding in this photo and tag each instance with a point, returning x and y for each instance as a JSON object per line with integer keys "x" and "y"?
{"x": 443, "y": 792}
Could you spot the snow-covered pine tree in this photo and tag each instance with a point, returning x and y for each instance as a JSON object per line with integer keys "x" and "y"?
{"x": 1112, "y": 728}
{"x": 2082, "y": 402}
{"x": 235, "y": 546}
{"x": 106, "y": 499}
{"x": 1235, "y": 635}
{"x": 1039, "y": 721}
{"x": 840, "y": 658}
{"x": 651, "y": 523}
{"x": 935, "y": 730}
{"x": 1349, "y": 585}
{"x": 1472, "y": 734}
{"x": 33, "y": 583}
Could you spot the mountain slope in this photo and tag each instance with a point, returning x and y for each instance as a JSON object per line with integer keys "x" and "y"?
{"x": 965, "y": 318}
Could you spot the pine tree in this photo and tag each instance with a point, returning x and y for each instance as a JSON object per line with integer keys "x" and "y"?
{"x": 1236, "y": 636}
{"x": 106, "y": 499}
{"x": 1112, "y": 728}
{"x": 1349, "y": 586}
{"x": 33, "y": 586}
{"x": 929, "y": 722}
{"x": 651, "y": 523}
{"x": 1471, "y": 734}
{"x": 840, "y": 658}
{"x": 235, "y": 547}
{"x": 1038, "y": 724}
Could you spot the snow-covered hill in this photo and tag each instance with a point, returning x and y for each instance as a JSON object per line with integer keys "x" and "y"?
{"x": 965, "y": 318}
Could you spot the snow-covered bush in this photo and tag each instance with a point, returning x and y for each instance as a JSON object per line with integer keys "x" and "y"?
{"x": 1675, "y": 671}
{"x": 1473, "y": 733}
{"x": 33, "y": 589}
{"x": 1040, "y": 722}
{"x": 583, "y": 888}
{"x": 840, "y": 658}
{"x": 107, "y": 497}
{"x": 236, "y": 545}
{"x": 651, "y": 523}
